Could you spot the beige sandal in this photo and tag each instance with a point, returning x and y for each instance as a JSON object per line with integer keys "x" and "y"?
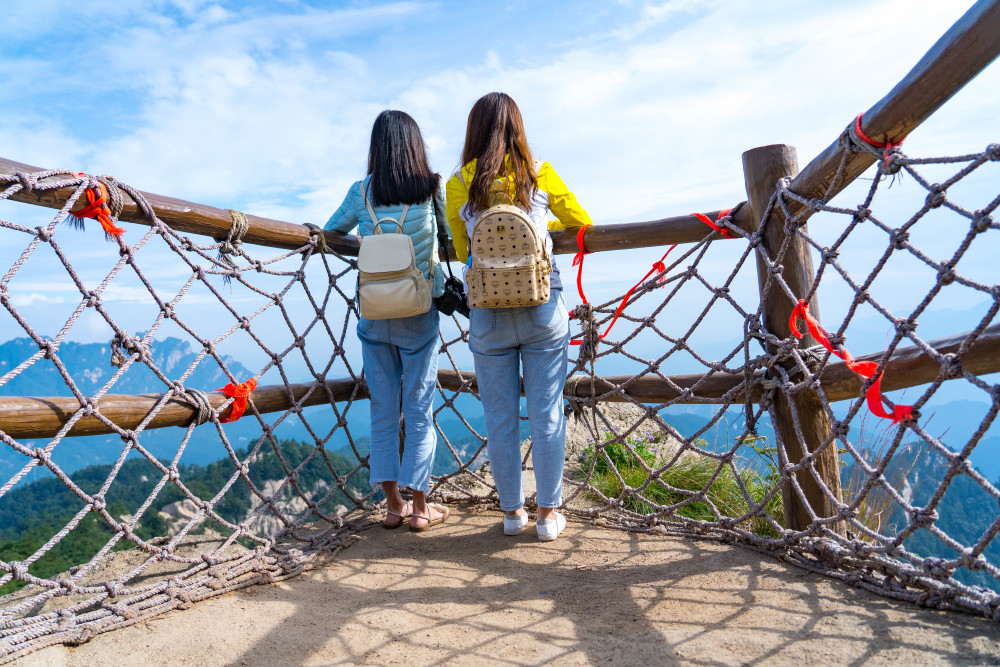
{"x": 430, "y": 522}
{"x": 408, "y": 508}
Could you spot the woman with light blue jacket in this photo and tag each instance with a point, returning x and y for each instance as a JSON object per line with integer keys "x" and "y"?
{"x": 404, "y": 348}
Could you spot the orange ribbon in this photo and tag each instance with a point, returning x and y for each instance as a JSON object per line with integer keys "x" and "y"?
{"x": 97, "y": 208}
{"x": 239, "y": 393}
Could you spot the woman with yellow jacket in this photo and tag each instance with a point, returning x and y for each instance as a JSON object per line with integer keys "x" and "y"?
{"x": 496, "y": 158}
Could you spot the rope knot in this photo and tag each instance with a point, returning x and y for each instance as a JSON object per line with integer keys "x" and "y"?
{"x": 905, "y": 326}
{"x": 830, "y": 255}
{"x": 855, "y": 140}
{"x": 951, "y": 365}
{"x": 923, "y": 518}
{"x": 899, "y": 238}
{"x": 317, "y": 239}
{"x": 862, "y": 214}
{"x": 199, "y": 399}
{"x": 131, "y": 344}
{"x": 48, "y": 346}
{"x": 946, "y": 274}
{"x": 19, "y": 570}
{"x": 99, "y": 193}
{"x": 234, "y": 240}
{"x": 936, "y": 196}
{"x": 27, "y": 181}
{"x": 935, "y": 568}
{"x": 981, "y": 221}
{"x": 993, "y": 152}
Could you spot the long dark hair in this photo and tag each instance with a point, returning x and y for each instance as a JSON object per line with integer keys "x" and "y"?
{"x": 397, "y": 161}
{"x": 495, "y": 138}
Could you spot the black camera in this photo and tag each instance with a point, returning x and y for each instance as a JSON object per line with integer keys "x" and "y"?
{"x": 453, "y": 298}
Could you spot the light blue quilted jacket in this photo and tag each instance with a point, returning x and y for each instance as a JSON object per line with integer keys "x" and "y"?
{"x": 420, "y": 224}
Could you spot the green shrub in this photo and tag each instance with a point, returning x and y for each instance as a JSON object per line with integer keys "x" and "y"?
{"x": 689, "y": 474}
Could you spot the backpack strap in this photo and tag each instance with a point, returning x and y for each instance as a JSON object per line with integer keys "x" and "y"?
{"x": 375, "y": 220}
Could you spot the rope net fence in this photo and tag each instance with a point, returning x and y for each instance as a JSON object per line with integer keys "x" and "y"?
{"x": 674, "y": 410}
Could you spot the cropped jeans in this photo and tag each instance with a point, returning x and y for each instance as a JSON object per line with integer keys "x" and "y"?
{"x": 401, "y": 348}
{"x": 537, "y": 337}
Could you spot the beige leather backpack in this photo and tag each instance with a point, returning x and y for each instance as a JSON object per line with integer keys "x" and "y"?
{"x": 389, "y": 282}
{"x": 510, "y": 267}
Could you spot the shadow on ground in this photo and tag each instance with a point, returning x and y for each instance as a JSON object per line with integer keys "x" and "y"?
{"x": 465, "y": 594}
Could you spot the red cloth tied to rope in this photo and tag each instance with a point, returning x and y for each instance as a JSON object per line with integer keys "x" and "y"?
{"x": 239, "y": 393}
{"x": 887, "y": 145}
{"x": 658, "y": 267}
{"x": 865, "y": 369}
{"x": 726, "y": 234}
{"x": 578, "y": 262}
{"x": 97, "y": 208}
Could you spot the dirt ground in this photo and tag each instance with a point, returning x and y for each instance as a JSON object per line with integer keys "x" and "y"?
{"x": 465, "y": 594}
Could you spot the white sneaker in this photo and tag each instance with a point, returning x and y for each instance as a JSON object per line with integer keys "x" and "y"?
{"x": 513, "y": 525}
{"x": 549, "y": 529}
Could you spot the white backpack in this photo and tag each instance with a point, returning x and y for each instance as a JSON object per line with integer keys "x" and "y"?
{"x": 389, "y": 283}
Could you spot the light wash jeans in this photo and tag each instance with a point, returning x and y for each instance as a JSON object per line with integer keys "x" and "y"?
{"x": 407, "y": 348}
{"x": 501, "y": 339}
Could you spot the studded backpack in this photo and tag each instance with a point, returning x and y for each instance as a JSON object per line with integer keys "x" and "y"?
{"x": 510, "y": 267}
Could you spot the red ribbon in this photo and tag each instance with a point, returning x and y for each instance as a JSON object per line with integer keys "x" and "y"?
{"x": 578, "y": 261}
{"x": 97, "y": 208}
{"x": 658, "y": 267}
{"x": 239, "y": 393}
{"x": 863, "y": 368}
{"x": 888, "y": 145}
{"x": 726, "y": 234}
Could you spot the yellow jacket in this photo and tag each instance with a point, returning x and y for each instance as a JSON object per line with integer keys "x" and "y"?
{"x": 552, "y": 195}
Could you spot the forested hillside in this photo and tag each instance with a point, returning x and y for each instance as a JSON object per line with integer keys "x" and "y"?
{"x": 30, "y": 515}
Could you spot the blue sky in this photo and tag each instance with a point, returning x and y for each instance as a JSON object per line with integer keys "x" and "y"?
{"x": 644, "y": 108}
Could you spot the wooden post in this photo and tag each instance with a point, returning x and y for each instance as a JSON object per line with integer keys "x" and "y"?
{"x": 762, "y": 168}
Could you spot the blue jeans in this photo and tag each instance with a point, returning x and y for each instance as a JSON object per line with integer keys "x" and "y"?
{"x": 402, "y": 348}
{"x": 501, "y": 339}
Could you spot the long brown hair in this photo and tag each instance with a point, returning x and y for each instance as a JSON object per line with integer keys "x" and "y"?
{"x": 495, "y": 138}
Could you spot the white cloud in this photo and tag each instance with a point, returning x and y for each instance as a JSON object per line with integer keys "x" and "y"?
{"x": 22, "y": 300}
{"x": 269, "y": 110}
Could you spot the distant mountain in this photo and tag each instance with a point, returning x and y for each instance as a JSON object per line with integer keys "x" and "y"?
{"x": 88, "y": 364}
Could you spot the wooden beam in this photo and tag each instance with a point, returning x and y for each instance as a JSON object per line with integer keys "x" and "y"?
{"x": 188, "y": 217}
{"x": 23, "y": 417}
{"x": 971, "y": 44}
